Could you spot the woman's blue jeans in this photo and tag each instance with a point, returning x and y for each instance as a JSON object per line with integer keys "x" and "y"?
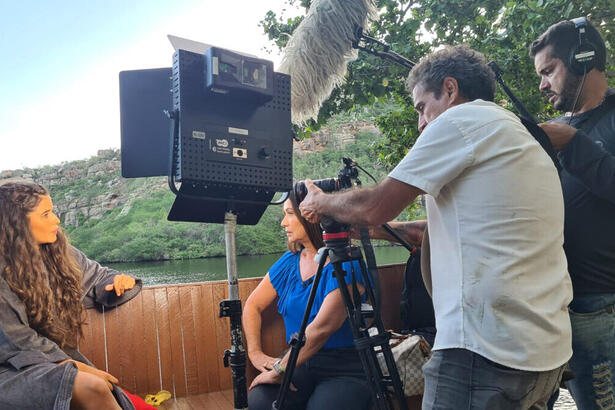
{"x": 593, "y": 346}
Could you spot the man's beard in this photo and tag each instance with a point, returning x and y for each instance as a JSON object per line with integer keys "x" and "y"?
{"x": 567, "y": 96}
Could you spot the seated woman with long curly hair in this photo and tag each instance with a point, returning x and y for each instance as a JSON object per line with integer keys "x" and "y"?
{"x": 329, "y": 374}
{"x": 45, "y": 285}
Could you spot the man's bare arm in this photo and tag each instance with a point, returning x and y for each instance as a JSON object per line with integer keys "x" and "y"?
{"x": 363, "y": 206}
{"x": 412, "y": 232}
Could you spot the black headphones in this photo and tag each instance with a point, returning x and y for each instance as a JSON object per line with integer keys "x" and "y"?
{"x": 583, "y": 55}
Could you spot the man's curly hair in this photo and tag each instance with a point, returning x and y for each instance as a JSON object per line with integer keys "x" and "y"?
{"x": 469, "y": 67}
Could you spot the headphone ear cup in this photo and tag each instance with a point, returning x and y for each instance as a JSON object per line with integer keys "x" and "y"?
{"x": 582, "y": 57}
{"x": 582, "y": 65}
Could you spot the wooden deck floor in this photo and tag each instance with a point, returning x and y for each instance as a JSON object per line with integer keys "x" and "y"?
{"x": 223, "y": 400}
{"x": 219, "y": 400}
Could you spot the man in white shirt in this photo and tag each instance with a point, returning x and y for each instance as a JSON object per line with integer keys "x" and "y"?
{"x": 495, "y": 214}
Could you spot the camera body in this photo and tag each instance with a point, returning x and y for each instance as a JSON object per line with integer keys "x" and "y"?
{"x": 344, "y": 180}
{"x": 347, "y": 176}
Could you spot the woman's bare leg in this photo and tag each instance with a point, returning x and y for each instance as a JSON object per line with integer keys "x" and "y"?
{"x": 91, "y": 392}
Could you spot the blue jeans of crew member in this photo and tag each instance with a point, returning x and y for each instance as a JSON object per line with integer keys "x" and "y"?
{"x": 463, "y": 380}
{"x": 593, "y": 351}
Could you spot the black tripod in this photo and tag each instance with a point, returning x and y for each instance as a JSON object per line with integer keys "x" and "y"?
{"x": 338, "y": 250}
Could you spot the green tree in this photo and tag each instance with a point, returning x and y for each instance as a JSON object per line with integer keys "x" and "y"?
{"x": 501, "y": 29}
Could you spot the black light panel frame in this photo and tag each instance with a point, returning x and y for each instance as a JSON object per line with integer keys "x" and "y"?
{"x": 232, "y": 145}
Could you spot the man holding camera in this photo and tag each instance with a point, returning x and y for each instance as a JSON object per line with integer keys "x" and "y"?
{"x": 495, "y": 214}
{"x": 570, "y": 59}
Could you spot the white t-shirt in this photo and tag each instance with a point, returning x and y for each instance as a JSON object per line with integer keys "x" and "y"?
{"x": 496, "y": 216}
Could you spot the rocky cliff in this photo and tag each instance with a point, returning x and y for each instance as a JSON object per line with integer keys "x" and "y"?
{"x": 84, "y": 190}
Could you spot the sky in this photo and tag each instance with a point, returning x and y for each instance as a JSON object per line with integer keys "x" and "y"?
{"x": 59, "y": 93}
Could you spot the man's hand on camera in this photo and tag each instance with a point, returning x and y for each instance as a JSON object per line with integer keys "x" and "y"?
{"x": 559, "y": 133}
{"x": 309, "y": 207}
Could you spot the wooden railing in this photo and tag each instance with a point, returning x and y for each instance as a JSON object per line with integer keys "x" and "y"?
{"x": 172, "y": 338}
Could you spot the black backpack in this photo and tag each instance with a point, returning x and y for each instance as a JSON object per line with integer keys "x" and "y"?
{"x": 417, "y": 314}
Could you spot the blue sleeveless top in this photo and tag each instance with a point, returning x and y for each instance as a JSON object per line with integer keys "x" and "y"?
{"x": 294, "y": 294}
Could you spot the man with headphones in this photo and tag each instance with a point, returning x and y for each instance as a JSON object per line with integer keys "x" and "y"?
{"x": 570, "y": 59}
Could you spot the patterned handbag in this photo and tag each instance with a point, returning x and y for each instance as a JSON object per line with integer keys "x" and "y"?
{"x": 410, "y": 352}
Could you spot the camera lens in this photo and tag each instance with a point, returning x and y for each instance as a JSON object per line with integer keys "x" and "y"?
{"x": 300, "y": 191}
{"x": 327, "y": 185}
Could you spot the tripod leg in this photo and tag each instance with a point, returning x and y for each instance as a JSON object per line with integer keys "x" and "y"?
{"x": 393, "y": 372}
{"x": 232, "y": 308}
{"x": 370, "y": 366}
{"x": 363, "y": 341}
{"x": 298, "y": 339}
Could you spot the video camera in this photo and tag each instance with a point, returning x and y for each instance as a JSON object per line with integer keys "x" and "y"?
{"x": 347, "y": 177}
{"x": 344, "y": 180}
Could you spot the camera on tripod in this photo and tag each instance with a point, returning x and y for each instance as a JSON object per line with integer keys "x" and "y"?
{"x": 370, "y": 337}
{"x": 344, "y": 180}
{"x": 347, "y": 177}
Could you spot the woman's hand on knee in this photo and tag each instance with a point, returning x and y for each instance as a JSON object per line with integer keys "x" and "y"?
{"x": 106, "y": 377}
{"x": 261, "y": 361}
{"x": 268, "y": 377}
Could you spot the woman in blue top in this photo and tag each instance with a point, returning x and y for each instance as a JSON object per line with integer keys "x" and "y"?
{"x": 329, "y": 373}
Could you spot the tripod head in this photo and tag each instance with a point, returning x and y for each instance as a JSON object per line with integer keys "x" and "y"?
{"x": 335, "y": 234}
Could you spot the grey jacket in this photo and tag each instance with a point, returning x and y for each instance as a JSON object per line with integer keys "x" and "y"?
{"x": 22, "y": 347}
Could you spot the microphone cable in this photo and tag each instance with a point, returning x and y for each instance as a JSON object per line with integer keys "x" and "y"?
{"x": 576, "y": 99}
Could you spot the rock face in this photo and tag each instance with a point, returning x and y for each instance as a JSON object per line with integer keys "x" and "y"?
{"x": 333, "y": 136}
{"x": 85, "y": 190}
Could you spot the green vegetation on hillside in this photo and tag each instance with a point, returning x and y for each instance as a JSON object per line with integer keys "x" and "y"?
{"x": 143, "y": 233}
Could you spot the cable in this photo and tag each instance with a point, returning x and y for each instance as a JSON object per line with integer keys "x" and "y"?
{"x": 368, "y": 174}
{"x": 386, "y": 226}
{"x": 576, "y": 99}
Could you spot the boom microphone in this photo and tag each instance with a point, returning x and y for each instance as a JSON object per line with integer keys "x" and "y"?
{"x": 319, "y": 50}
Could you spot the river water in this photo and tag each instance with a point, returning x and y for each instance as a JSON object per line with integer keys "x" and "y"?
{"x": 207, "y": 269}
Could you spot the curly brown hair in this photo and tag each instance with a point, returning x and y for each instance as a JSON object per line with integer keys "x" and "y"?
{"x": 46, "y": 278}
{"x": 469, "y": 67}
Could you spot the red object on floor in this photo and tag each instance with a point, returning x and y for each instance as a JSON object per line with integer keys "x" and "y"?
{"x": 138, "y": 402}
